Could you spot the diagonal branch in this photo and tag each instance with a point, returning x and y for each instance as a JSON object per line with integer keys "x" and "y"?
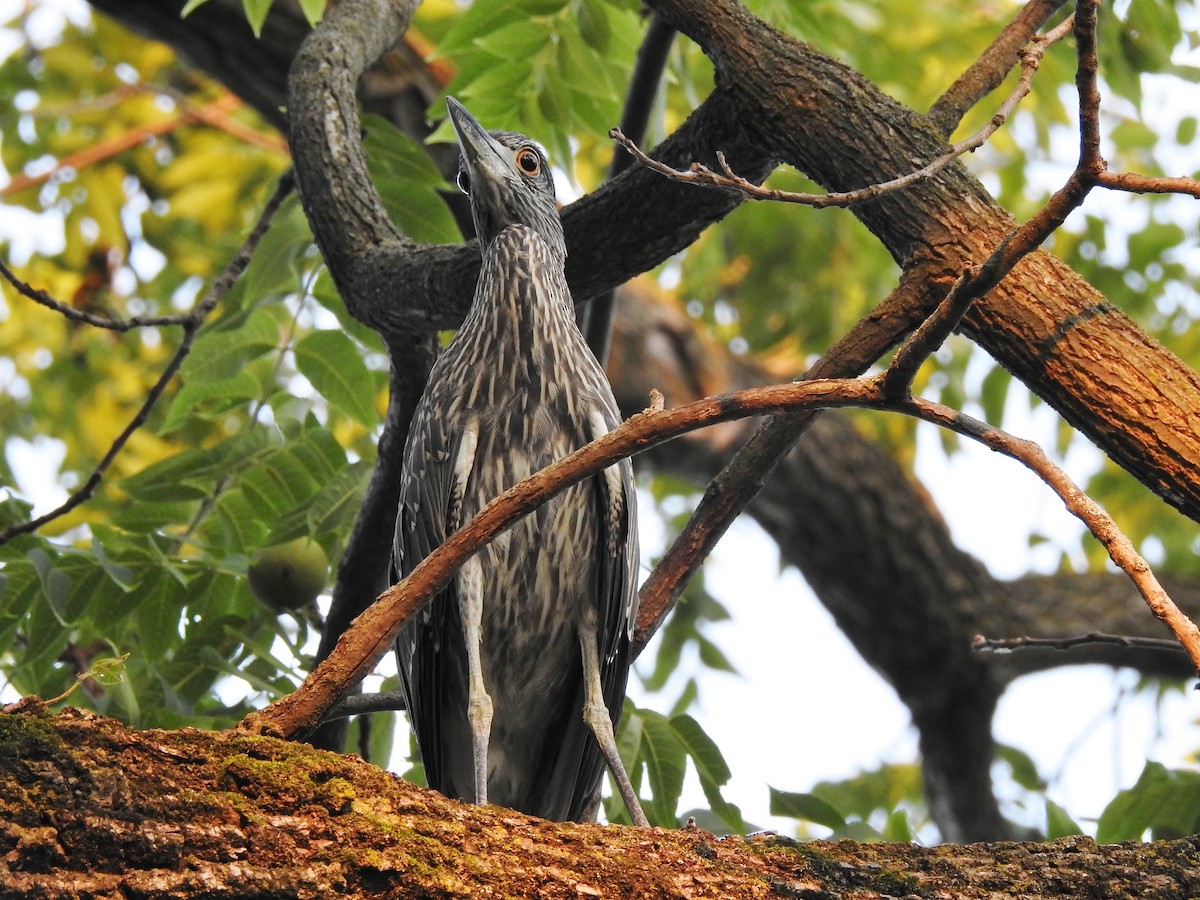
{"x": 989, "y": 71}
{"x": 1120, "y": 549}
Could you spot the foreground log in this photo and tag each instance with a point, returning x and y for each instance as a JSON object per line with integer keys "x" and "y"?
{"x": 91, "y": 808}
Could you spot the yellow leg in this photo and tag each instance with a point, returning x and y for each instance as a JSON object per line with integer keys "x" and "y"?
{"x": 479, "y": 704}
{"x": 595, "y": 713}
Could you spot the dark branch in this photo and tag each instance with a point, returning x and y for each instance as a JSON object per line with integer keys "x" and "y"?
{"x": 88, "y": 318}
{"x": 596, "y": 317}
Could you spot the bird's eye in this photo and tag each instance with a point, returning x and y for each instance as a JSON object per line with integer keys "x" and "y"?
{"x": 528, "y": 161}
{"x": 463, "y": 181}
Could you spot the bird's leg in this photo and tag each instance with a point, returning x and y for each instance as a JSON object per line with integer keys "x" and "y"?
{"x": 596, "y": 714}
{"x": 479, "y": 704}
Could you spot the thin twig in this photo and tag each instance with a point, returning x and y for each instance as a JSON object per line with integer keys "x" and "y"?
{"x": 1148, "y": 184}
{"x": 1008, "y": 645}
{"x": 220, "y": 287}
{"x": 701, "y": 174}
{"x": 928, "y": 336}
{"x": 366, "y": 704}
{"x": 87, "y": 318}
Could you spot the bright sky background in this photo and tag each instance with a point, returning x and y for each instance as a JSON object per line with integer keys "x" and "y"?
{"x": 805, "y": 708}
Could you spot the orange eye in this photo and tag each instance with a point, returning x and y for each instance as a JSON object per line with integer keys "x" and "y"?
{"x": 528, "y": 161}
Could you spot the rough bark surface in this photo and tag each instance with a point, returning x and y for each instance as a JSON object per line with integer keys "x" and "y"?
{"x": 92, "y": 809}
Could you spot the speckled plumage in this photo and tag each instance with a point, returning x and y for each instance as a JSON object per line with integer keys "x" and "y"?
{"x": 515, "y": 390}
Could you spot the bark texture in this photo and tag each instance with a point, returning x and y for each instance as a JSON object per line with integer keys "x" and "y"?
{"x": 91, "y": 809}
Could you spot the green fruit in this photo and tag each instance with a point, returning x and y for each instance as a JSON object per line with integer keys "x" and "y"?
{"x": 289, "y": 576}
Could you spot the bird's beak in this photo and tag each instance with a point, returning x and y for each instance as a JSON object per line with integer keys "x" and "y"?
{"x": 484, "y": 157}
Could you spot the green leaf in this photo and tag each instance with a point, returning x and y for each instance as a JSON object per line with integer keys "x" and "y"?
{"x": 210, "y": 399}
{"x": 107, "y": 671}
{"x": 1163, "y": 801}
{"x": 884, "y": 788}
{"x": 332, "y": 510}
{"x": 271, "y": 484}
{"x": 516, "y": 42}
{"x": 324, "y": 292}
{"x": 221, "y": 352}
{"x": 408, "y": 183}
{"x": 121, "y": 575}
{"x": 897, "y": 828}
{"x": 191, "y": 474}
{"x": 56, "y": 584}
{"x": 313, "y": 10}
{"x": 274, "y": 268}
{"x": 993, "y": 394}
{"x": 1058, "y": 822}
{"x": 158, "y": 613}
{"x": 1023, "y": 768}
{"x": 333, "y": 364}
{"x": 711, "y": 767}
{"x": 256, "y": 14}
{"x": 666, "y": 763}
{"x": 808, "y": 807}
{"x": 593, "y": 23}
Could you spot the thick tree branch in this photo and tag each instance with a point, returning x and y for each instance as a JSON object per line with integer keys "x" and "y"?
{"x": 700, "y": 174}
{"x": 90, "y": 808}
{"x": 1043, "y": 324}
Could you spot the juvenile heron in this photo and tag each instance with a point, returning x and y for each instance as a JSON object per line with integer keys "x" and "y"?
{"x": 535, "y": 627}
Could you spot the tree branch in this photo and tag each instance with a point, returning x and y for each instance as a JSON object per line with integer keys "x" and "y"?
{"x": 989, "y": 71}
{"x": 192, "y": 814}
{"x": 1120, "y": 549}
{"x": 596, "y": 317}
{"x": 700, "y": 174}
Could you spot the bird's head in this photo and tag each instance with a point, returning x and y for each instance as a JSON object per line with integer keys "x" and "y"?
{"x": 507, "y": 177}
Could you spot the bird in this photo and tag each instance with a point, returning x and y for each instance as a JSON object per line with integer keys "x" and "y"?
{"x": 514, "y": 674}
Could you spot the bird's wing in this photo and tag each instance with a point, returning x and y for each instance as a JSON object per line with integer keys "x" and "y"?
{"x": 427, "y": 514}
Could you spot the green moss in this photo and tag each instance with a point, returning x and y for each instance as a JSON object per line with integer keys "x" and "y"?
{"x": 28, "y": 737}
{"x": 833, "y": 870}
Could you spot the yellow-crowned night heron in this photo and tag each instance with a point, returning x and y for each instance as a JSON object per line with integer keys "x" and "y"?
{"x": 536, "y": 626}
